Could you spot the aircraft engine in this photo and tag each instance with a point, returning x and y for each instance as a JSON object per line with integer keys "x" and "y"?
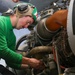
{"x": 53, "y": 35}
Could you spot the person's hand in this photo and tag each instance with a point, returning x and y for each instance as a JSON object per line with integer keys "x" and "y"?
{"x": 37, "y": 64}
{"x": 15, "y": 1}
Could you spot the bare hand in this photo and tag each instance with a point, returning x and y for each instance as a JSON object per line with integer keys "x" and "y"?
{"x": 37, "y": 64}
{"x": 15, "y": 1}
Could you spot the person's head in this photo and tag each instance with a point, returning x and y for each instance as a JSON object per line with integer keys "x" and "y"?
{"x": 26, "y": 15}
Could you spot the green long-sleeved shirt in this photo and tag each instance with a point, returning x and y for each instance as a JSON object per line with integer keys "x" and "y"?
{"x": 7, "y": 43}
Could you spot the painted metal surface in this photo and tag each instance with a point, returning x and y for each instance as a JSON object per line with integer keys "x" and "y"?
{"x": 71, "y": 25}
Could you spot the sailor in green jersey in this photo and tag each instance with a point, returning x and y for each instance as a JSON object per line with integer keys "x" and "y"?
{"x": 24, "y": 15}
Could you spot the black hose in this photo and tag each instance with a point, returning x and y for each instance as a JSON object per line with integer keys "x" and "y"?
{"x": 20, "y": 41}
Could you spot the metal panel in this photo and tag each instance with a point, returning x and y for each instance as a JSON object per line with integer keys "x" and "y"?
{"x": 71, "y": 25}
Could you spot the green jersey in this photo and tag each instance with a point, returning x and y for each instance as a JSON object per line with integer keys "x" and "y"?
{"x": 7, "y": 43}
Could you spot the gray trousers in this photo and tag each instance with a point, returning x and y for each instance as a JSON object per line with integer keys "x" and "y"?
{"x": 5, "y": 71}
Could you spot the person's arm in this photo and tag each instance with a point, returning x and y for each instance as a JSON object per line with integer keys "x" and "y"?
{"x": 10, "y": 56}
{"x": 7, "y": 54}
{"x": 26, "y": 63}
{"x": 32, "y": 62}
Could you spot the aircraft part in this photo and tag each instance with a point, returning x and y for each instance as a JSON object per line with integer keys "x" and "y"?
{"x": 71, "y": 25}
{"x": 40, "y": 51}
{"x": 50, "y": 45}
{"x": 43, "y": 32}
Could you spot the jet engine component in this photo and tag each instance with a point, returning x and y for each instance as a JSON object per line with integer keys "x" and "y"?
{"x": 50, "y": 36}
{"x": 43, "y": 32}
{"x": 71, "y": 26}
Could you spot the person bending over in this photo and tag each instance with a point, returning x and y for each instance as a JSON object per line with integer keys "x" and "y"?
{"x": 25, "y": 14}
